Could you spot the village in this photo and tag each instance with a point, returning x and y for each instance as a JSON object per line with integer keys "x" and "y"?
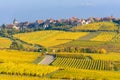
{"x": 42, "y": 25}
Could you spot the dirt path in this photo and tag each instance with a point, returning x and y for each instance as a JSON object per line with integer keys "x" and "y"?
{"x": 47, "y": 60}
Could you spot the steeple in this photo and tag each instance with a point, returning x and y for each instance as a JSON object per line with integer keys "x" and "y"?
{"x": 15, "y": 21}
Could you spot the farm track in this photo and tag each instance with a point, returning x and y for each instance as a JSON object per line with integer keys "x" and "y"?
{"x": 47, "y": 60}
{"x": 89, "y": 36}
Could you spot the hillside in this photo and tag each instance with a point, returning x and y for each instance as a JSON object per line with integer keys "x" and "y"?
{"x": 89, "y": 52}
{"x": 104, "y": 36}
{"x": 50, "y": 38}
{"x": 97, "y": 26}
{"x": 108, "y": 40}
{"x": 5, "y": 42}
{"x": 15, "y": 56}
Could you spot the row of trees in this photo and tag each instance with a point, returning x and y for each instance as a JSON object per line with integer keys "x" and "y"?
{"x": 82, "y": 50}
{"x": 8, "y": 32}
{"x": 17, "y": 45}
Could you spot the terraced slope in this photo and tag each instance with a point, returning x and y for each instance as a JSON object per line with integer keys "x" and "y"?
{"x": 4, "y": 42}
{"x": 50, "y": 38}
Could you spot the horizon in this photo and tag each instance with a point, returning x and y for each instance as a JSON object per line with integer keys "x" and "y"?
{"x": 58, "y": 19}
{"x": 31, "y": 10}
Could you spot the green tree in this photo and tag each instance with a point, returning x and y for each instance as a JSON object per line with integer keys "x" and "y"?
{"x": 16, "y": 45}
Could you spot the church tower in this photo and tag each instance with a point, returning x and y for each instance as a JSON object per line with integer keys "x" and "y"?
{"x": 15, "y": 21}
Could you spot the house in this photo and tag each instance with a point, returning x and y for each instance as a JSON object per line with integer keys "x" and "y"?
{"x": 39, "y": 21}
{"x": 45, "y": 26}
{"x": 9, "y": 26}
{"x": 88, "y": 21}
{"x": 15, "y": 25}
{"x": 83, "y": 21}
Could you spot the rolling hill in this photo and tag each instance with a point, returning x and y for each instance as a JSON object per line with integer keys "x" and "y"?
{"x": 90, "y": 52}
{"x": 50, "y": 38}
{"x": 98, "y": 26}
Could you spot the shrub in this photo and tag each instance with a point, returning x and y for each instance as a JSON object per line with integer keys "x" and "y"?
{"x": 16, "y": 45}
{"x": 103, "y": 51}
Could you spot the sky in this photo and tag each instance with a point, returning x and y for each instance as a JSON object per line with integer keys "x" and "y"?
{"x": 31, "y": 10}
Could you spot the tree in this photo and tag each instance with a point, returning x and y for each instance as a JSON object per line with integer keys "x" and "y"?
{"x": 5, "y": 33}
{"x": 16, "y": 45}
{"x": 103, "y": 51}
{"x": 3, "y": 26}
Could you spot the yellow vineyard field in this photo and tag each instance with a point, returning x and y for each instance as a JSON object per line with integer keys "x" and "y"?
{"x": 79, "y": 74}
{"x": 4, "y": 42}
{"x": 96, "y": 26}
{"x": 26, "y": 69}
{"x": 50, "y": 38}
{"x": 112, "y": 56}
{"x": 104, "y": 36}
{"x": 17, "y": 56}
{"x": 19, "y": 77}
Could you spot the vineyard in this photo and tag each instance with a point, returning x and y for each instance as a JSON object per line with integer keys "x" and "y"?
{"x": 113, "y": 56}
{"x": 105, "y": 36}
{"x": 108, "y": 26}
{"x": 21, "y": 64}
{"x": 100, "y": 40}
{"x": 83, "y": 63}
{"x": 94, "y": 26}
{"x": 90, "y": 52}
{"x": 19, "y": 77}
{"x": 17, "y": 56}
{"x": 4, "y": 42}
{"x": 89, "y": 36}
{"x": 99, "y": 26}
{"x": 82, "y": 74}
{"x": 117, "y": 38}
{"x": 99, "y": 66}
{"x": 26, "y": 69}
{"x": 50, "y": 38}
